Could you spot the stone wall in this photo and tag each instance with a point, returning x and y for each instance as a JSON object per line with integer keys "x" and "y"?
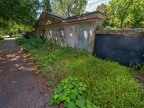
{"x": 123, "y": 46}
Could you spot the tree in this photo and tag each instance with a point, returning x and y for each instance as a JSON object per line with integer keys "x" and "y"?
{"x": 46, "y": 7}
{"x": 102, "y": 8}
{"x": 120, "y": 9}
{"x": 18, "y": 12}
{"x": 68, "y": 8}
{"x": 137, "y": 14}
{"x": 125, "y": 13}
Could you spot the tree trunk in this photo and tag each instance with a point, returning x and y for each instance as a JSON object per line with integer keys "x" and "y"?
{"x": 121, "y": 24}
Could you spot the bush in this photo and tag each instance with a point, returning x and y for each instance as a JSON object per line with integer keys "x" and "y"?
{"x": 1, "y": 38}
{"x": 71, "y": 93}
{"x": 142, "y": 69}
{"x": 35, "y": 43}
{"x": 99, "y": 27}
{"x": 12, "y": 32}
{"x": 138, "y": 68}
{"x": 108, "y": 28}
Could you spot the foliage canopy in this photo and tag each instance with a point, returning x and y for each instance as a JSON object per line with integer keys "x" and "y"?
{"x": 46, "y": 6}
{"x": 126, "y": 13}
{"x": 68, "y": 8}
{"x": 18, "y": 13}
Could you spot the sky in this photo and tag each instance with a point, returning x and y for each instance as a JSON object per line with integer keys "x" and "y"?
{"x": 92, "y": 4}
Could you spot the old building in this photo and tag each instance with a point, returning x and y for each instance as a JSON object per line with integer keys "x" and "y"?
{"x": 76, "y": 31}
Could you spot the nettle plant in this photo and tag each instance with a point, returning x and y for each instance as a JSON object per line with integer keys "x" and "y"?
{"x": 71, "y": 93}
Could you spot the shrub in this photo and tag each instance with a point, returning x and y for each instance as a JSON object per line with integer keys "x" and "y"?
{"x": 1, "y": 38}
{"x": 12, "y": 32}
{"x": 33, "y": 43}
{"x": 71, "y": 93}
{"x": 108, "y": 28}
{"x": 142, "y": 69}
{"x": 139, "y": 68}
{"x": 99, "y": 27}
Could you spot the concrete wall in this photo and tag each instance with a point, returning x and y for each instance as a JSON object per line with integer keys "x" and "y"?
{"x": 83, "y": 36}
{"x": 75, "y": 31}
{"x": 69, "y": 34}
{"x": 53, "y": 32}
{"x": 122, "y": 46}
{"x": 92, "y": 35}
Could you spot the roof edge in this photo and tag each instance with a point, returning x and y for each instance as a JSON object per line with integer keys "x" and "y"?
{"x": 68, "y": 18}
{"x": 54, "y": 15}
{"x": 85, "y": 14}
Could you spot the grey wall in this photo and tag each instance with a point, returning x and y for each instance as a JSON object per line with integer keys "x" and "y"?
{"x": 120, "y": 47}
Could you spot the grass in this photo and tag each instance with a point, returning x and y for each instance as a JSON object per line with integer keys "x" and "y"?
{"x": 141, "y": 70}
{"x": 110, "y": 85}
{"x": 1, "y": 40}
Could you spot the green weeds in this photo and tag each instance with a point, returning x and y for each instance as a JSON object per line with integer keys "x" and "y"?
{"x": 36, "y": 43}
{"x": 109, "y": 85}
{"x": 50, "y": 83}
{"x": 37, "y": 72}
{"x": 71, "y": 93}
{"x": 1, "y": 38}
{"x": 139, "y": 68}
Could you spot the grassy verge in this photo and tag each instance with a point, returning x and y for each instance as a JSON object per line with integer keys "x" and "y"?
{"x": 109, "y": 85}
{"x": 1, "y": 40}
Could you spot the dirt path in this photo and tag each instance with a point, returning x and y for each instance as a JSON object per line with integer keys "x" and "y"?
{"x": 19, "y": 86}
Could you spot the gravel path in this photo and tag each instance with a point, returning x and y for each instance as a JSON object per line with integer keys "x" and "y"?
{"x": 20, "y": 87}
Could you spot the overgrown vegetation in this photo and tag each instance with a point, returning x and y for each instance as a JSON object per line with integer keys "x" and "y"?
{"x": 123, "y": 14}
{"x": 18, "y": 12}
{"x": 139, "y": 68}
{"x": 71, "y": 93}
{"x": 108, "y": 83}
{"x": 67, "y": 8}
{"x": 1, "y": 40}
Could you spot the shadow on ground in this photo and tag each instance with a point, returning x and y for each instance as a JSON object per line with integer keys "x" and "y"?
{"x": 20, "y": 87}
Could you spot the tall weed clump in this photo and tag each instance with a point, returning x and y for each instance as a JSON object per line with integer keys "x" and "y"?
{"x": 39, "y": 49}
{"x": 1, "y": 38}
{"x": 109, "y": 85}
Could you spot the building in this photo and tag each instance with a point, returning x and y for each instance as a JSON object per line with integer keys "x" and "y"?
{"x": 76, "y": 31}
